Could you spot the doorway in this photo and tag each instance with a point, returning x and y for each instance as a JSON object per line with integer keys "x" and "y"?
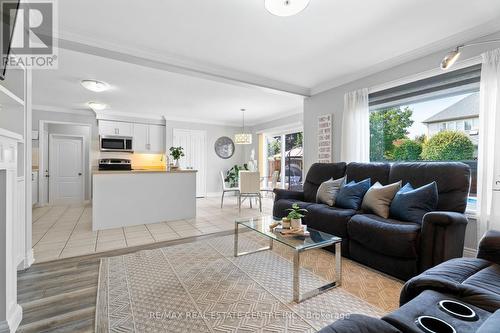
{"x": 283, "y": 153}
{"x": 66, "y": 169}
{"x": 194, "y": 144}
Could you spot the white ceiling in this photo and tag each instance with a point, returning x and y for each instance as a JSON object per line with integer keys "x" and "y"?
{"x": 222, "y": 45}
{"x": 143, "y": 91}
{"x": 329, "y": 40}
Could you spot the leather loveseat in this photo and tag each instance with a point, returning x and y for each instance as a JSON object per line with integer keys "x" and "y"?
{"x": 400, "y": 248}
{"x": 474, "y": 282}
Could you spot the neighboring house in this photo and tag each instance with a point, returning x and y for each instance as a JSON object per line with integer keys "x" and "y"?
{"x": 462, "y": 116}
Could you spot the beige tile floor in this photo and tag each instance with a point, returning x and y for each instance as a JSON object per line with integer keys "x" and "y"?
{"x": 66, "y": 231}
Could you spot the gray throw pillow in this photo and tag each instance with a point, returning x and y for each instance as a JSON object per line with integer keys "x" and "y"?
{"x": 327, "y": 191}
{"x": 378, "y": 198}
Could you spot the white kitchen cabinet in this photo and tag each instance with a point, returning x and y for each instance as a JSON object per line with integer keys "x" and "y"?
{"x": 157, "y": 138}
{"x": 149, "y": 138}
{"x": 141, "y": 138}
{"x": 115, "y": 128}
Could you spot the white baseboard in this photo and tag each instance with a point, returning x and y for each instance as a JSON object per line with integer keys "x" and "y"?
{"x": 29, "y": 259}
{"x": 213, "y": 194}
{"x": 12, "y": 323}
{"x": 470, "y": 252}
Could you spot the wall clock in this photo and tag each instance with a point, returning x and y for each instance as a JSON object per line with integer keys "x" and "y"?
{"x": 224, "y": 147}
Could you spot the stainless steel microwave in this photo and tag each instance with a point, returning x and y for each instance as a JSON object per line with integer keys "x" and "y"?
{"x": 116, "y": 143}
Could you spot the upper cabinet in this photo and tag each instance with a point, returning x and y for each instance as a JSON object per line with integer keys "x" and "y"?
{"x": 115, "y": 128}
{"x": 149, "y": 138}
{"x": 146, "y": 138}
{"x": 157, "y": 138}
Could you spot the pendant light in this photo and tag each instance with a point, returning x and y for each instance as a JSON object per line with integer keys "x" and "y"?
{"x": 243, "y": 138}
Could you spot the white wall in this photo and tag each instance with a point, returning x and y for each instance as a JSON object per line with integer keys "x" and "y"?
{"x": 214, "y": 162}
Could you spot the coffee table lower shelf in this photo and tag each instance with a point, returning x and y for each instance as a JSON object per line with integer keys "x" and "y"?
{"x": 297, "y": 296}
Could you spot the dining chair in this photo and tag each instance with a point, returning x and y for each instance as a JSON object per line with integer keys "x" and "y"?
{"x": 249, "y": 188}
{"x": 226, "y": 188}
{"x": 274, "y": 181}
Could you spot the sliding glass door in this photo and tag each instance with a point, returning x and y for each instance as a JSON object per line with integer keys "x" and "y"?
{"x": 284, "y": 160}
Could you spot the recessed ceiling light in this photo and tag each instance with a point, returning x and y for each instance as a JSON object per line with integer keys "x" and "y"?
{"x": 96, "y": 106}
{"x": 285, "y": 7}
{"x": 94, "y": 85}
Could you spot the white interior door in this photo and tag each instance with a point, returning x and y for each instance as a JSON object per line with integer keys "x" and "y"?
{"x": 194, "y": 144}
{"x": 66, "y": 170}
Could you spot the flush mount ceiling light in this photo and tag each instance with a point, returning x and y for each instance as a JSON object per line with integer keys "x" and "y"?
{"x": 94, "y": 85}
{"x": 452, "y": 56}
{"x": 96, "y": 106}
{"x": 243, "y": 138}
{"x": 285, "y": 7}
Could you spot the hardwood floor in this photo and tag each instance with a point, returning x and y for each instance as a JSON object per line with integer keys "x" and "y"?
{"x": 60, "y": 295}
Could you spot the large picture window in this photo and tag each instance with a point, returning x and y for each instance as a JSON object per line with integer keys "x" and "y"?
{"x": 434, "y": 121}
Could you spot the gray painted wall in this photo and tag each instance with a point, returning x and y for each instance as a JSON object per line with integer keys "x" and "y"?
{"x": 332, "y": 102}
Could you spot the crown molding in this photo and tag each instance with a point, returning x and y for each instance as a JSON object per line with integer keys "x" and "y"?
{"x": 50, "y": 108}
{"x": 176, "y": 64}
{"x": 443, "y": 44}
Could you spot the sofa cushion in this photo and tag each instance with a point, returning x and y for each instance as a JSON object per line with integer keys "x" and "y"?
{"x": 280, "y": 207}
{"x": 386, "y": 236}
{"x": 317, "y": 174}
{"x": 351, "y": 195}
{"x": 328, "y": 191}
{"x": 452, "y": 178}
{"x": 475, "y": 281}
{"x": 377, "y": 172}
{"x": 332, "y": 220}
{"x": 411, "y": 204}
{"x": 379, "y": 197}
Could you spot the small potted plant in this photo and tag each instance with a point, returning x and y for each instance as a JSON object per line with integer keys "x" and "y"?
{"x": 296, "y": 215}
{"x": 285, "y": 223}
{"x": 176, "y": 153}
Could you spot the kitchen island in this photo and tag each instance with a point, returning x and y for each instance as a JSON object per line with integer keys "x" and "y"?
{"x": 132, "y": 197}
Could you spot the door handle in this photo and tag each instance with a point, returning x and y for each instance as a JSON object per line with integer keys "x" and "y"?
{"x": 79, "y": 174}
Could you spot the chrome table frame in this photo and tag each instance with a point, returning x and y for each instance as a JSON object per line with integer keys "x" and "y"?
{"x": 297, "y": 297}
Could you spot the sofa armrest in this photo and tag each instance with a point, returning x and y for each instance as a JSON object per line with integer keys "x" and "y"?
{"x": 287, "y": 194}
{"x": 442, "y": 238}
{"x": 489, "y": 247}
{"x": 357, "y": 323}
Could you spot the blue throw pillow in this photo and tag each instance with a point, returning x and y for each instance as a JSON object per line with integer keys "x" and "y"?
{"x": 411, "y": 204}
{"x": 351, "y": 195}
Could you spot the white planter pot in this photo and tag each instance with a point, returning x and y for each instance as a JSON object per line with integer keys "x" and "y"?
{"x": 296, "y": 223}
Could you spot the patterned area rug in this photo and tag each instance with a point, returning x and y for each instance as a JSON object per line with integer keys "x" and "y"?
{"x": 201, "y": 287}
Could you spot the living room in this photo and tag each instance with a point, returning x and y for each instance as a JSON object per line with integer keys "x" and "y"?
{"x": 267, "y": 165}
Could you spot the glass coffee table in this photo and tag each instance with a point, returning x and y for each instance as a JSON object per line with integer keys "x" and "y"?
{"x": 316, "y": 239}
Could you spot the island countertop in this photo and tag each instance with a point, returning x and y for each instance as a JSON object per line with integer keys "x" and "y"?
{"x": 96, "y": 171}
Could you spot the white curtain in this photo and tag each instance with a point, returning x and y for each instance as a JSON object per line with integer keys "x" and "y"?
{"x": 489, "y": 144}
{"x": 355, "y": 144}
